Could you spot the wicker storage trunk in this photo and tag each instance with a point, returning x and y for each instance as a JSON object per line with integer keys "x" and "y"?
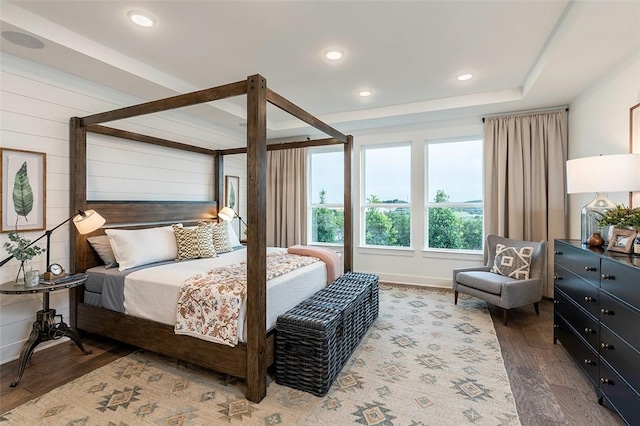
{"x": 316, "y": 338}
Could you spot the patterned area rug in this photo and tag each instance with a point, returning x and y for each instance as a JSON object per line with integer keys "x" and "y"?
{"x": 423, "y": 362}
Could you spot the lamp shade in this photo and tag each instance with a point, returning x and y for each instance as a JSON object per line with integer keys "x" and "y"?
{"x": 226, "y": 214}
{"x": 88, "y": 221}
{"x": 604, "y": 173}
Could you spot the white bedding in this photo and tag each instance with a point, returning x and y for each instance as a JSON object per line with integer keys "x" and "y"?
{"x": 152, "y": 293}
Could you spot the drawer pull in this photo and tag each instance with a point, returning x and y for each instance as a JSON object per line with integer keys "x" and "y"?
{"x": 606, "y": 346}
{"x": 590, "y": 268}
{"x": 608, "y": 277}
{"x": 556, "y": 326}
{"x": 557, "y": 302}
{"x": 589, "y": 299}
{"x": 589, "y": 331}
{"x": 557, "y": 278}
{"x": 557, "y": 252}
{"x": 589, "y": 362}
{"x": 606, "y": 312}
{"x": 606, "y": 381}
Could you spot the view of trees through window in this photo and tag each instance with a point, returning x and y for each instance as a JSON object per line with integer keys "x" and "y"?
{"x": 453, "y": 212}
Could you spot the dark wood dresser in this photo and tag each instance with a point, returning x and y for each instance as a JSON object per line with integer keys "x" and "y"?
{"x": 597, "y": 320}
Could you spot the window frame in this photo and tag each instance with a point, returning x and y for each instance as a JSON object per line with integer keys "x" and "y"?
{"x": 310, "y": 205}
{"x": 431, "y": 204}
{"x": 364, "y": 205}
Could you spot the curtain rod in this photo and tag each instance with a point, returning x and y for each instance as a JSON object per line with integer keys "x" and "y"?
{"x": 566, "y": 108}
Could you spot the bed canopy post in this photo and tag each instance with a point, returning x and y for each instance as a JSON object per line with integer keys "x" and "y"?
{"x": 78, "y": 197}
{"x": 257, "y": 237}
{"x": 348, "y": 205}
{"x": 218, "y": 178}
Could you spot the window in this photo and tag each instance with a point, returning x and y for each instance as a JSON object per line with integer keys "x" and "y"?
{"x": 454, "y": 209}
{"x": 326, "y": 195}
{"x": 387, "y": 195}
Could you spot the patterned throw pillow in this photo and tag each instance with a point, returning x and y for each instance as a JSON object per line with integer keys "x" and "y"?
{"x": 221, "y": 240}
{"x": 513, "y": 262}
{"x": 194, "y": 243}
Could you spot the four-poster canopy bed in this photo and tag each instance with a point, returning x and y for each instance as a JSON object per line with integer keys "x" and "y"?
{"x": 246, "y": 360}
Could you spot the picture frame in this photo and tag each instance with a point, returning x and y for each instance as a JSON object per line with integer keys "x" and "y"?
{"x": 621, "y": 240}
{"x": 232, "y": 192}
{"x": 23, "y": 184}
{"x": 634, "y": 145}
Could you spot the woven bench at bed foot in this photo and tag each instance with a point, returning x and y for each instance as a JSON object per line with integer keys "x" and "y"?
{"x": 316, "y": 338}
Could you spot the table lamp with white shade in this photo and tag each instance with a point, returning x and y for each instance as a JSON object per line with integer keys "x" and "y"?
{"x": 601, "y": 174}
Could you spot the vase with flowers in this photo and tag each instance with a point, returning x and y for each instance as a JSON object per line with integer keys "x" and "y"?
{"x": 19, "y": 247}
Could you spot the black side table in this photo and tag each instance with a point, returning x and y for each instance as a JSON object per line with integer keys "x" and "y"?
{"x": 45, "y": 327}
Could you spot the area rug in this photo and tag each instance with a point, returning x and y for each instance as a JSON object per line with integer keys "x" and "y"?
{"x": 424, "y": 361}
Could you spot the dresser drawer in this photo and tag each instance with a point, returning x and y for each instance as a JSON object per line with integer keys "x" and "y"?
{"x": 621, "y": 318}
{"x": 582, "y": 353}
{"x": 622, "y": 281}
{"x": 624, "y": 399}
{"x": 584, "y": 324}
{"x": 622, "y": 357}
{"x": 580, "y": 262}
{"x": 581, "y": 291}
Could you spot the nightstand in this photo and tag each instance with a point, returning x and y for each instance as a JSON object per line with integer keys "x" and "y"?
{"x": 45, "y": 327}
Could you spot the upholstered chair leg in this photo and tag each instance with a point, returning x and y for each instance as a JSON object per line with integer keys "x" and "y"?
{"x": 537, "y": 308}
{"x": 505, "y": 316}
{"x": 455, "y": 297}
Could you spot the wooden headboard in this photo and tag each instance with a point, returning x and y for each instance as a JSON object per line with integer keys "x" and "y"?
{"x": 137, "y": 215}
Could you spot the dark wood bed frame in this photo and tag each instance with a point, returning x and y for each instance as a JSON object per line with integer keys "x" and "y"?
{"x": 246, "y": 360}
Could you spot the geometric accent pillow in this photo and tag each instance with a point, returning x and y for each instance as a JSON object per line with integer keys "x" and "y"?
{"x": 513, "y": 262}
{"x": 221, "y": 240}
{"x": 194, "y": 243}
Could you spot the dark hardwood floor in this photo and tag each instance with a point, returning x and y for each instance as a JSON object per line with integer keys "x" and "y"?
{"x": 548, "y": 387}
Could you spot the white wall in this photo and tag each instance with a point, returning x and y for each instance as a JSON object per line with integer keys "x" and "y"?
{"x": 36, "y": 104}
{"x": 599, "y": 124}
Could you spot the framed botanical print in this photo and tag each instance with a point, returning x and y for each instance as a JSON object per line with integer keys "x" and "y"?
{"x": 232, "y": 192}
{"x": 24, "y": 183}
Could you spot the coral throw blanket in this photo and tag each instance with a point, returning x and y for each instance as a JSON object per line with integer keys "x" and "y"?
{"x": 329, "y": 257}
{"x": 209, "y": 304}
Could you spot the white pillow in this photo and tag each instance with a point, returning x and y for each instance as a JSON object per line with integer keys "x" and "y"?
{"x": 136, "y": 247}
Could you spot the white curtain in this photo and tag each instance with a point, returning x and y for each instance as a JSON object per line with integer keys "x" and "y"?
{"x": 286, "y": 197}
{"x": 525, "y": 195}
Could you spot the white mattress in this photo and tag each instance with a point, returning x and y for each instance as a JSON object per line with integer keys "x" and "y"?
{"x": 153, "y": 293}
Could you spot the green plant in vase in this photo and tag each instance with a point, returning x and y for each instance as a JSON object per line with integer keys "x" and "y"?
{"x": 19, "y": 248}
{"x": 621, "y": 217}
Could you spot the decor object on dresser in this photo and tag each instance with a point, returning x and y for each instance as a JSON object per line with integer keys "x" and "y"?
{"x": 596, "y": 318}
{"x": 619, "y": 217}
{"x": 24, "y": 176}
{"x": 620, "y": 175}
{"x": 228, "y": 214}
{"x": 512, "y": 277}
{"x": 622, "y": 240}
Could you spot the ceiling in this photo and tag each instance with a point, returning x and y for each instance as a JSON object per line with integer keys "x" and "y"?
{"x": 523, "y": 54}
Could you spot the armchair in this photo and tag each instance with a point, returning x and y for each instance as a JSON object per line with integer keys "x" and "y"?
{"x": 501, "y": 290}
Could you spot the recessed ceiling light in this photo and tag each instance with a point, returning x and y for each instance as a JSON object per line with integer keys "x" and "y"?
{"x": 333, "y": 54}
{"x": 22, "y": 39}
{"x": 364, "y": 93}
{"x": 141, "y": 18}
{"x": 464, "y": 77}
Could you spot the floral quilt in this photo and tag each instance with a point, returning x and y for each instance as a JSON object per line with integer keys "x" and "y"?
{"x": 209, "y": 303}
